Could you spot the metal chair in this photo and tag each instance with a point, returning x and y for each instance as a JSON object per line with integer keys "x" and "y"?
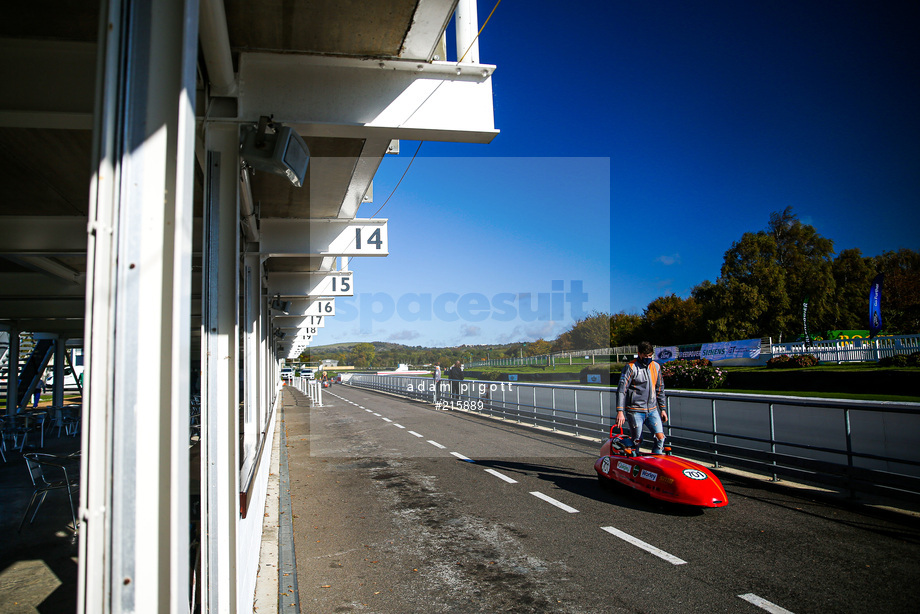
{"x": 38, "y": 463}
{"x": 33, "y": 422}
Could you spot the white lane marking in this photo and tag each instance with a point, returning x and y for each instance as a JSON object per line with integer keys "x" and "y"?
{"x": 370, "y": 411}
{"x": 375, "y": 413}
{"x": 501, "y": 476}
{"x": 763, "y": 604}
{"x": 416, "y": 434}
{"x": 386, "y": 419}
{"x": 464, "y": 458}
{"x": 399, "y": 426}
{"x": 670, "y": 558}
{"x": 361, "y": 407}
{"x": 559, "y": 504}
{"x": 436, "y": 444}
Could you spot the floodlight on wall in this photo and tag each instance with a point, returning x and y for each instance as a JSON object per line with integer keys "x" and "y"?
{"x": 282, "y": 151}
{"x": 279, "y": 333}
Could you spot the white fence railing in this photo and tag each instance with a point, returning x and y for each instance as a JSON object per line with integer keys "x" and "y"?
{"x": 617, "y": 353}
{"x": 852, "y": 350}
{"x": 312, "y": 388}
{"x": 838, "y": 350}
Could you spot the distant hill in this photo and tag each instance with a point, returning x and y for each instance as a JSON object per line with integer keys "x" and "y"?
{"x": 385, "y": 346}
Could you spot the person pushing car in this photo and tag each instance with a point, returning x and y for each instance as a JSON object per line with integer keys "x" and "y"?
{"x": 640, "y": 398}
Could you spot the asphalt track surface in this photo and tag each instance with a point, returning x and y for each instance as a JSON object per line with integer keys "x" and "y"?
{"x": 399, "y": 508}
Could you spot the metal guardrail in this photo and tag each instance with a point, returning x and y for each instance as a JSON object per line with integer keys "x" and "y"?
{"x": 863, "y": 446}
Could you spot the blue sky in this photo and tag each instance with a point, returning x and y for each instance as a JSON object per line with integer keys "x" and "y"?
{"x": 639, "y": 139}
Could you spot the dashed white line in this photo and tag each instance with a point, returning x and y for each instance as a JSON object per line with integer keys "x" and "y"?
{"x": 399, "y": 426}
{"x": 416, "y": 434}
{"x": 501, "y": 476}
{"x": 670, "y": 558}
{"x": 464, "y": 458}
{"x": 763, "y": 604}
{"x": 436, "y": 444}
{"x": 550, "y": 500}
{"x": 375, "y": 413}
{"x": 370, "y": 411}
{"x": 386, "y": 419}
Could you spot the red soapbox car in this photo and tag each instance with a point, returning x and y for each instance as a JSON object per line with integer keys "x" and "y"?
{"x": 662, "y": 476}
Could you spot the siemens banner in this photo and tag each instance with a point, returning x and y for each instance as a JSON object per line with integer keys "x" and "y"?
{"x": 727, "y": 350}
{"x": 721, "y": 350}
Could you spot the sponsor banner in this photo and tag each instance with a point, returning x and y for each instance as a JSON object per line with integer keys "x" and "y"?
{"x": 875, "y": 305}
{"x": 847, "y": 334}
{"x": 805, "y": 322}
{"x": 727, "y": 350}
{"x": 648, "y": 475}
{"x": 690, "y": 352}
{"x": 623, "y": 466}
{"x": 664, "y": 354}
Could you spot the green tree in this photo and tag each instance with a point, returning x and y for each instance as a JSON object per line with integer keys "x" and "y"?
{"x": 806, "y": 259}
{"x": 852, "y": 275}
{"x": 539, "y": 347}
{"x": 765, "y": 278}
{"x": 752, "y": 298}
{"x": 672, "y": 320}
{"x": 625, "y": 329}
{"x": 900, "y": 291}
{"x": 361, "y": 355}
{"x": 563, "y": 342}
{"x": 591, "y": 332}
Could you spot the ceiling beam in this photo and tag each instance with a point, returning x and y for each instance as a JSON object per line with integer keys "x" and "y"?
{"x": 47, "y": 84}
{"x": 428, "y": 24}
{"x": 43, "y": 235}
{"x": 17, "y": 309}
{"x": 355, "y": 98}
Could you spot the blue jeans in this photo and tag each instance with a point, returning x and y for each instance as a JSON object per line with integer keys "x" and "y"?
{"x": 651, "y": 419}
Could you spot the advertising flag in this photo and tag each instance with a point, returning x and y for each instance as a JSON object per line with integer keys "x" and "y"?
{"x": 805, "y": 321}
{"x": 875, "y": 305}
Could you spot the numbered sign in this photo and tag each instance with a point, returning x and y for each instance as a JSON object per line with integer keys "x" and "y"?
{"x": 338, "y": 283}
{"x": 324, "y": 308}
{"x": 301, "y": 321}
{"x": 324, "y": 237}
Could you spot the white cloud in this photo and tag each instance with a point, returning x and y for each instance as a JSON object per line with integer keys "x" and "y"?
{"x": 404, "y": 335}
{"x": 470, "y": 331}
{"x": 540, "y": 330}
{"x": 668, "y": 260}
